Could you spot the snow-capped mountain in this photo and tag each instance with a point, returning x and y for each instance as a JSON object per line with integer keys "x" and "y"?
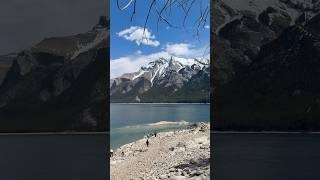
{"x": 57, "y": 85}
{"x": 170, "y": 74}
{"x": 162, "y": 68}
{"x": 266, "y": 64}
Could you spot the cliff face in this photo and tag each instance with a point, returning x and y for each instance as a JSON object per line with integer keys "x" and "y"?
{"x": 58, "y": 85}
{"x": 266, "y": 67}
{"x": 5, "y": 64}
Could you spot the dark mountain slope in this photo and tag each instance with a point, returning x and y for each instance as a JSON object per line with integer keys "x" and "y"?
{"x": 50, "y": 89}
{"x": 279, "y": 90}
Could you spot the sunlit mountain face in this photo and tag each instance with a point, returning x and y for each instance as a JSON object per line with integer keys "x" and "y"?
{"x": 164, "y": 80}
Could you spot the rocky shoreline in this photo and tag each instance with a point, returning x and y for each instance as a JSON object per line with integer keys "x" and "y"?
{"x": 178, "y": 155}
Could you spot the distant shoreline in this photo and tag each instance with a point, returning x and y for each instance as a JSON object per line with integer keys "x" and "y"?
{"x": 55, "y": 133}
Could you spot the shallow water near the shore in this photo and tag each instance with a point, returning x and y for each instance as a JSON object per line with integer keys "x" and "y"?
{"x": 130, "y": 122}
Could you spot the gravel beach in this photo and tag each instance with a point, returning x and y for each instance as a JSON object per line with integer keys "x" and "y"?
{"x": 178, "y": 155}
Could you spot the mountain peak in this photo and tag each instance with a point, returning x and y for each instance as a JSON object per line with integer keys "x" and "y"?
{"x": 171, "y": 61}
{"x": 102, "y": 23}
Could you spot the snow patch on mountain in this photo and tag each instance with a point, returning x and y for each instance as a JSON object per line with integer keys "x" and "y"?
{"x": 162, "y": 67}
{"x": 173, "y": 71}
{"x": 101, "y": 34}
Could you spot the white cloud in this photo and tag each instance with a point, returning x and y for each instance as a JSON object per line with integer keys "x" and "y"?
{"x": 186, "y": 50}
{"x": 178, "y": 49}
{"x": 124, "y": 65}
{"x": 133, "y": 63}
{"x": 139, "y": 35}
{"x": 207, "y": 26}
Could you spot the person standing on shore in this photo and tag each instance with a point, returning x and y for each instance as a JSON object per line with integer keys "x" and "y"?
{"x": 147, "y": 142}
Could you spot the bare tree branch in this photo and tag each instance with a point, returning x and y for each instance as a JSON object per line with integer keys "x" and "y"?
{"x": 134, "y": 9}
{"x": 187, "y": 13}
{"x": 163, "y": 9}
{"x": 147, "y": 18}
{"x": 126, "y": 6}
{"x": 160, "y": 17}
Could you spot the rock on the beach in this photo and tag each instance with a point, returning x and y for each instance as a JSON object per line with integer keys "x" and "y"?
{"x": 202, "y": 140}
{"x": 193, "y": 161}
{"x": 181, "y": 144}
{"x": 185, "y": 173}
{"x": 163, "y": 176}
{"x": 172, "y": 169}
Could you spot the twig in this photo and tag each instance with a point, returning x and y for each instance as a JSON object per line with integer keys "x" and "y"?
{"x": 126, "y": 6}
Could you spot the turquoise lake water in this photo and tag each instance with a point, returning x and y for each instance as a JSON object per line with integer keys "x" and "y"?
{"x": 130, "y": 122}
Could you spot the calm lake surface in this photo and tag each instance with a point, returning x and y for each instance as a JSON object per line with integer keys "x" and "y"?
{"x": 53, "y": 157}
{"x": 266, "y": 156}
{"x": 130, "y": 122}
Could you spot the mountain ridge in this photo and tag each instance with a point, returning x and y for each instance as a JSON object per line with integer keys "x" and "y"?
{"x": 161, "y": 77}
{"x": 267, "y": 80}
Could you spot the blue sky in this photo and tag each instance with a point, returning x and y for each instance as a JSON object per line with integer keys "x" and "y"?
{"x": 129, "y": 50}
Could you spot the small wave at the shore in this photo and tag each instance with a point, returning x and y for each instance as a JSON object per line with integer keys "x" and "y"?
{"x": 158, "y": 124}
